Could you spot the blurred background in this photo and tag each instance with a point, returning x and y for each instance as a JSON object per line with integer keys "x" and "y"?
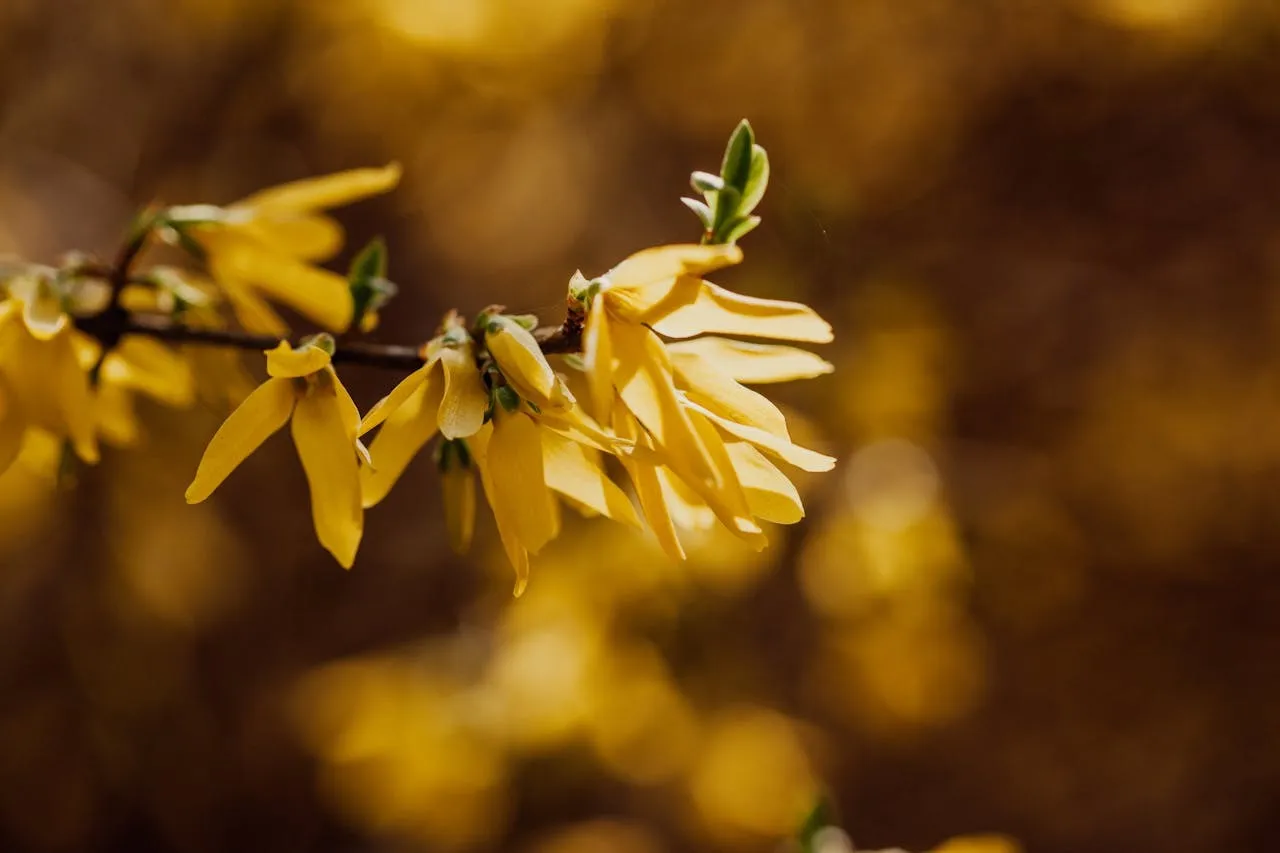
{"x": 1038, "y": 595}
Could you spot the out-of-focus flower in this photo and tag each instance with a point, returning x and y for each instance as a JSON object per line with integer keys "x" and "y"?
{"x": 43, "y": 382}
{"x": 136, "y": 366}
{"x": 262, "y": 247}
{"x": 305, "y": 390}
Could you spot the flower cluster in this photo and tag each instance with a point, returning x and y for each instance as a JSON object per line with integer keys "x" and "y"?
{"x": 647, "y": 369}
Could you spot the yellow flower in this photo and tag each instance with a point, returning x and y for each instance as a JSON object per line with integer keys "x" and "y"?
{"x": 305, "y": 390}
{"x": 522, "y": 361}
{"x": 522, "y": 462}
{"x": 136, "y": 366}
{"x": 263, "y": 247}
{"x": 446, "y": 395}
{"x": 684, "y": 404}
{"x": 458, "y": 493}
{"x": 524, "y": 453}
{"x": 43, "y": 384}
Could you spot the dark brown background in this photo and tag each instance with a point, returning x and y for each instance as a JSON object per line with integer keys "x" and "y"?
{"x": 1038, "y": 595}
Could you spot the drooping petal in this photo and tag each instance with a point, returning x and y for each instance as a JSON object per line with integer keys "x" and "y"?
{"x": 326, "y": 448}
{"x": 520, "y": 487}
{"x": 114, "y": 416}
{"x": 517, "y": 353}
{"x": 726, "y": 497}
{"x": 770, "y": 494}
{"x": 148, "y": 366}
{"x": 687, "y": 510}
{"x": 320, "y": 295}
{"x": 397, "y": 398}
{"x": 408, "y": 427}
{"x": 576, "y": 425}
{"x": 706, "y": 384}
{"x": 74, "y": 400}
{"x": 752, "y": 363}
{"x": 644, "y": 381}
{"x": 251, "y": 310}
{"x": 665, "y": 262}
{"x": 307, "y": 238}
{"x": 720, "y": 311}
{"x": 597, "y": 358}
{"x": 285, "y": 362}
{"x": 465, "y": 399}
{"x": 261, "y": 414}
{"x": 458, "y": 492}
{"x": 312, "y": 194}
{"x": 502, "y": 515}
{"x": 792, "y": 454}
{"x": 649, "y": 491}
{"x": 571, "y": 470}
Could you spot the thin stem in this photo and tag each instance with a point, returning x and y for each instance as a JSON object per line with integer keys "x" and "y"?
{"x": 553, "y": 339}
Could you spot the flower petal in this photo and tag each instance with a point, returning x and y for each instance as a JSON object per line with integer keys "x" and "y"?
{"x": 43, "y": 314}
{"x": 312, "y": 194}
{"x": 261, "y": 414}
{"x": 663, "y": 262}
{"x": 12, "y": 429}
{"x": 326, "y": 448}
{"x": 307, "y": 238}
{"x": 572, "y": 470}
{"x": 408, "y": 427}
{"x": 465, "y": 399}
{"x": 687, "y": 510}
{"x": 251, "y": 310}
{"x": 385, "y": 407}
{"x": 514, "y": 462}
{"x": 576, "y": 425}
{"x": 645, "y": 383}
{"x": 502, "y": 513}
{"x": 721, "y": 311}
{"x": 458, "y": 492}
{"x": 285, "y": 362}
{"x": 518, "y": 355}
{"x": 752, "y": 363}
{"x": 770, "y": 494}
{"x": 703, "y": 381}
{"x": 74, "y": 400}
{"x": 150, "y": 367}
{"x": 318, "y": 294}
{"x": 649, "y": 491}
{"x": 792, "y": 454}
{"x": 597, "y": 358}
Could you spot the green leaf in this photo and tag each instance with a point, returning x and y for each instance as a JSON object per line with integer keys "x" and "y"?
{"x": 507, "y": 398}
{"x": 700, "y": 210}
{"x": 705, "y": 182}
{"x": 757, "y": 180}
{"x": 371, "y": 262}
{"x": 725, "y": 212}
{"x": 367, "y": 281}
{"x": 739, "y": 228}
{"x": 736, "y": 168}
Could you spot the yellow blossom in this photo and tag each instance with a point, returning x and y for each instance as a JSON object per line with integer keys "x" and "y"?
{"x": 304, "y": 390}
{"x": 43, "y": 383}
{"x": 685, "y": 403}
{"x": 136, "y": 366}
{"x": 262, "y": 248}
{"x": 458, "y": 493}
{"x": 522, "y": 463}
{"x": 446, "y": 395}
